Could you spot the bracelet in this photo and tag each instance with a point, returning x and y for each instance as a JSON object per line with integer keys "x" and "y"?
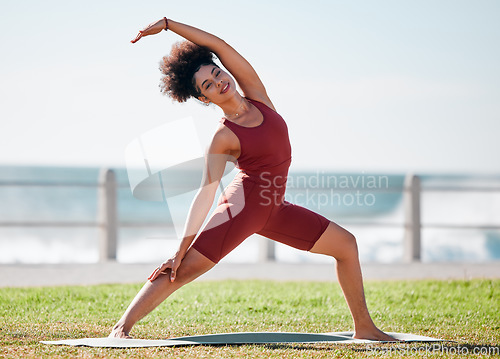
{"x": 166, "y": 23}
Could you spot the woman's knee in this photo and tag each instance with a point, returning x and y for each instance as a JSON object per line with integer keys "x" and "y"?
{"x": 193, "y": 265}
{"x": 347, "y": 245}
{"x": 351, "y": 241}
{"x": 337, "y": 242}
{"x": 185, "y": 274}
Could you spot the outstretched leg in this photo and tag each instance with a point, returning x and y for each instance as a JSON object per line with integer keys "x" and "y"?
{"x": 340, "y": 244}
{"x": 153, "y": 293}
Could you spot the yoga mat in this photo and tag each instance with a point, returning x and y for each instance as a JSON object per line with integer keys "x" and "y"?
{"x": 233, "y": 339}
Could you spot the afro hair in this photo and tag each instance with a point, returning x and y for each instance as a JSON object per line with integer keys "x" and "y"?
{"x": 179, "y": 67}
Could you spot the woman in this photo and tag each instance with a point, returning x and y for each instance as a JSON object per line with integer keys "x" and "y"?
{"x": 255, "y": 134}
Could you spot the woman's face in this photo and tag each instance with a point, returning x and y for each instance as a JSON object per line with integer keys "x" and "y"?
{"x": 216, "y": 85}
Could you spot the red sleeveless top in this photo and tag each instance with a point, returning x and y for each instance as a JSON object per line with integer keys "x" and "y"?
{"x": 265, "y": 149}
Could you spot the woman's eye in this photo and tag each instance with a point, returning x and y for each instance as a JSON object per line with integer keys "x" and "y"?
{"x": 217, "y": 74}
{"x": 208, "y": 86}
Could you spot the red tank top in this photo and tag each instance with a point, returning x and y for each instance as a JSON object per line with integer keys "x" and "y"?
{"x": 265, "y": 149}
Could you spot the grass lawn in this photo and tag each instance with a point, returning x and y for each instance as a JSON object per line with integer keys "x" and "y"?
{"x": 466, "y": 312}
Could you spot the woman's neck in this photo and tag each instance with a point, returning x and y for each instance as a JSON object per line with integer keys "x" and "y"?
{"x": 236, "y": 108}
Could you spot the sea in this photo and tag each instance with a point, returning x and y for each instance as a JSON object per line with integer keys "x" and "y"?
{"x": 460, "y": 216}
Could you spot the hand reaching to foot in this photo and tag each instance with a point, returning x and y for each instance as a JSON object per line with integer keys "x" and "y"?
{"x": 118, "y": 332}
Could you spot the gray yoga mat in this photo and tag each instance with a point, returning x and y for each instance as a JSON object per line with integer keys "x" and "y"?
{"x": 233, "y": 339}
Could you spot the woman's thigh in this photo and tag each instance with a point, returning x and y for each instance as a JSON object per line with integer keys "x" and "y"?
{"x": 237, "y": 217}
{"x": 295, "y": 226}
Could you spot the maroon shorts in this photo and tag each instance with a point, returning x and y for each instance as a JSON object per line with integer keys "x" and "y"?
{"x": 247, "y": 207}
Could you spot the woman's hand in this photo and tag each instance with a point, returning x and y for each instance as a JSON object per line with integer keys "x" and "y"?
{"x": 151, "y": 29}
{"x": 172, "y": 264}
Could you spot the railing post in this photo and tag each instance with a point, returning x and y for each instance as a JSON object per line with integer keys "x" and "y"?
{"x": 107, "y": 215}
{"x": 412, "y": 219}
{"x": 266, "y": 250}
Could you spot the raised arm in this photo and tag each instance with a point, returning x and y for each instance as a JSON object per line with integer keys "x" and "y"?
{"x": 237, "y": 65}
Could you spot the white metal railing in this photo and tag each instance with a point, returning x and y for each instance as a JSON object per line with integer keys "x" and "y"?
{"x": 108, "y": 222}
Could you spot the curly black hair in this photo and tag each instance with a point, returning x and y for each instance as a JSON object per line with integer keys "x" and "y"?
{"x": 178, "y": 69}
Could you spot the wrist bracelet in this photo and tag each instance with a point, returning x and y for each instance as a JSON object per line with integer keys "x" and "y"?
{"x": 166, "y": 24}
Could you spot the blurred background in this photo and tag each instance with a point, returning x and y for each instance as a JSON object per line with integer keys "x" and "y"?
{"x": 372, "y": 92}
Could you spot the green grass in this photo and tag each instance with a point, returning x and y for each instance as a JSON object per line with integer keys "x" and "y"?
{"x": 466, "y": 312}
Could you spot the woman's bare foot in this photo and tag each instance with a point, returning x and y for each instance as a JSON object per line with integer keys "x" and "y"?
{"x": 118, "y": 332}
{"x": 374, "y": 334}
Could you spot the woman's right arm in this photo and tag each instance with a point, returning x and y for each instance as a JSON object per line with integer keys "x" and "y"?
{"x": 215, "y": 163}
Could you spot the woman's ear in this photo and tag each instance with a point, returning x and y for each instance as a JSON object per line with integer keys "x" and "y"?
{"x": 205, "y": 100}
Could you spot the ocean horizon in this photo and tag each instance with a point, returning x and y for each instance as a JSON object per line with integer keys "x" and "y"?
{"x": 370, "y": 205}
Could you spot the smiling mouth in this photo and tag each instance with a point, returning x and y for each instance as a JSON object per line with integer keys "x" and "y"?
{"x": 225, "y": 88}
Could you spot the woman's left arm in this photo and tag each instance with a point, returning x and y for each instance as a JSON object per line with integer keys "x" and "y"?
{"x": 237, "y": 65}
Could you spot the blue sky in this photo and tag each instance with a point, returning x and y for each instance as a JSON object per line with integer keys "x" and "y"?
{"x": 386, "y": 86}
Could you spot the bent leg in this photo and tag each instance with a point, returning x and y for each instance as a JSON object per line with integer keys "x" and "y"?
{"x": 153, "y": 293}
{"x": 341, "y": 244}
